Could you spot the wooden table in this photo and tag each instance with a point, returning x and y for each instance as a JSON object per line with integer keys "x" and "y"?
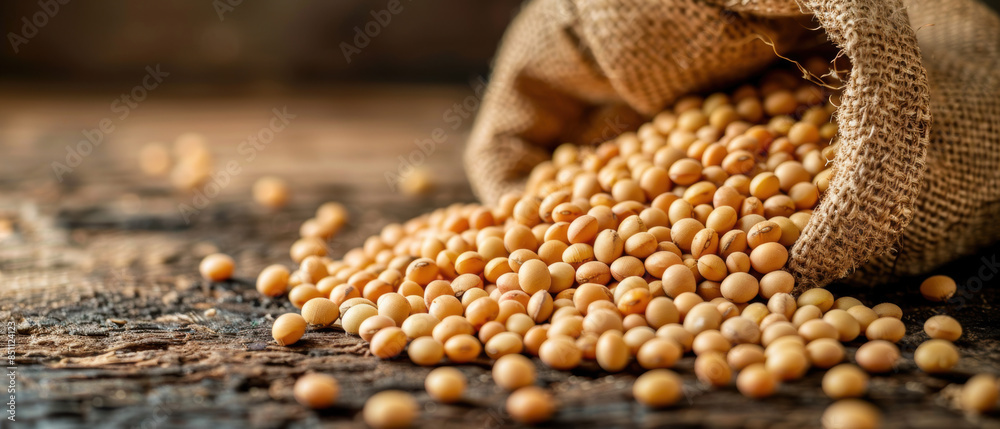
{"x": 114, "y": 328}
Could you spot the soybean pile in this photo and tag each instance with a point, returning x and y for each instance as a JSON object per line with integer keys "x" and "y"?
{"x": 661, "y": 242}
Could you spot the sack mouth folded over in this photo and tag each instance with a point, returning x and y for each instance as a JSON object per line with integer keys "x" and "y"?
{"x": 883, "y": 131}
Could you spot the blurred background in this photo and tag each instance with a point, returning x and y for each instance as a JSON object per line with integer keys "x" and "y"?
{"x": 364, "y": 80}
{"x": 246, "y": 44}
{"x": 242, "y": 44}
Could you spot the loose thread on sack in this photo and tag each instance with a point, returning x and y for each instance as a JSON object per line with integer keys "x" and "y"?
{"x": 806, "y": 74}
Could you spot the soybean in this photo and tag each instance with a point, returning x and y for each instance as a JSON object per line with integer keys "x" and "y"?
{"x": 388, "y": 342}
{"x": 217, "y": 267}
{"x": 886, "y": 328}
{"x": 273, "y": 280}
{"x": 320, "y": 312}
{"x": 877, "y": 356}
{"x": 288, "y": 329}
{"x": 531, "y": 405}
{"x": 390, "y": 409}
{"x": 851, "y": 413}
{"x": 979, "y": 395}
{"x": 845, "y": 381}
{"x": 943, "y": 328}
{"x": 445, "y": 384}
{"x": 756, "y": 382}
{"x": 934, "y": 356}
{"x": 513, "y": 372}
{"x": 658, "y": 388}
{"x": 425, "y": 351}
{"x": 712, "y": 369}
{"x": 316, "y": 390}
{"x": 938, "y": 288}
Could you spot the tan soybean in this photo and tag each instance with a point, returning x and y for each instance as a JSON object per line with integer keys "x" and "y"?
{"x": 288, "y": 329}
{"x": 560, "y": 352}
{"x": 825, "y": 352}
{"x": 356, "y": 315}
{"x": 659, "y": 352}
{"x": 316, "y": 390}
{"x": 302, "y": 293}
{"x": 712, "y": 369}
{"x": 817, "y": 328}
{"x": 678, "y": 334}
{"x": 425, "y": 351}
{"x": 513, "y": 372}
{"x": 612, "y": 353}
{"x": 845, "y": 381}
{"x": 658, "y": 388}
{"x": 877, "y": 356}
{"x": 394, "y": 306}
{"x": 702, "y": 317}
{"x": 273, "y": 280}
{"x": 388, "y": 342}
{"x": 710, "y": 341}
{"x": 886, "y": 328}
{"x": 217, "y": 267}
{"x": 372, "y": 325}
{"x": 320, "y": 312}
{"x": 502, "y": 344}
{"x": 787, "y": 364}
{"x": 847, "y": 326}
{"x": 531, "y": 405}
{"x": 390, "y": 409}
{"x": 851, "y": 413}
{"x": 819, "y": 297}
{"x": 776, "y": 282}
{"x": 782, "y": 303}
{"x": 445, "y": 384}
{"x": 744, "y": 355}
{"x": 661, "y": 311}
{"x": 888, "y": 309}
{"x": 419, "y": 325}
{"x": 864, "y": 315}
{"x": 936, "y": 356}
{"x": 938, "y": 288}
{"x": 943, "y": 328}
{"x": 740, "y": 330}
{"x": 756, "y": 382}
{"x": 979, "y": 395}
{"x": 769, "y": 257}
{"x": 739, "y": 287}
{"x": 636, "y": 336}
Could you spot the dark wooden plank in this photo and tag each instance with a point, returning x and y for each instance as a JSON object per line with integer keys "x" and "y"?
{"x": 99, "y": 277}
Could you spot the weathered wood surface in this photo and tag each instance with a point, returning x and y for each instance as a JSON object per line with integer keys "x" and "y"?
{"x": 99, "y": 277}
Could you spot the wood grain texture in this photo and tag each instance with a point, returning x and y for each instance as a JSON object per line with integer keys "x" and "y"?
{"x": 99, "y": 275}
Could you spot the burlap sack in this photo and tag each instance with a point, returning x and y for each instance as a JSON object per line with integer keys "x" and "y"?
{"x": 908, "y": 194}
